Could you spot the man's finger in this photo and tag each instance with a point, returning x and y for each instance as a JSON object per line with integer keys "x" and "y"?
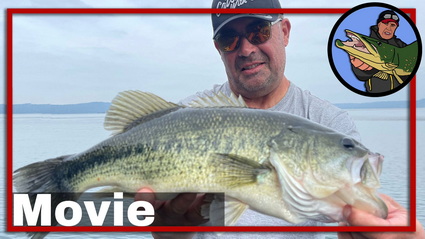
{"x": 365, "y": 67}
{"x": 194, "y": 213}
{"x": 360, "y": 64}
{"x": 147, "y": 194}
{"x": 390, "y": 202}
{"x": 182, "y": 203}
{"x": 360, "y": 218}
{"x": 356, "y": 62}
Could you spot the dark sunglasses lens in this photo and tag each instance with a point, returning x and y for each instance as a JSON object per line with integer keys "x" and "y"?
{"x": 259, "y": 33}
{"x": 256, "y": 34}
{"x": 228, "y": 43}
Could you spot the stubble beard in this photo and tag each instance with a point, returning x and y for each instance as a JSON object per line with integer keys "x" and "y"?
{"x": 255, "y": 86}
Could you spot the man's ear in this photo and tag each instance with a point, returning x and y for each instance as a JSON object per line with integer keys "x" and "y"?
{"x": 286, "y": 29}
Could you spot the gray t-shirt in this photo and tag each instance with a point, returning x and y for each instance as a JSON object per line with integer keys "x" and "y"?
{"x": 304, "y": 104}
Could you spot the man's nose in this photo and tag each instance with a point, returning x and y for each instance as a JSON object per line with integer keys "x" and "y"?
{"x": 246, "y": 48}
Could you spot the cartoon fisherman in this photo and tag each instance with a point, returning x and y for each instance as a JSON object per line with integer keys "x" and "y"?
{"x": 381, "y": 60}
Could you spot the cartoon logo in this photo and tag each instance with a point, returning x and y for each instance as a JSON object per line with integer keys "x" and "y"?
{"x": 374, "y": 49}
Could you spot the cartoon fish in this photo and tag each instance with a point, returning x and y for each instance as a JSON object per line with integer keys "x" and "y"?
{"x": 391, "y": 61}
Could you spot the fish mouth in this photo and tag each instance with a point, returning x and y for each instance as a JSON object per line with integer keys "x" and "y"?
{"x": 366, "y": 170}
{"x": 362, "y": 193}
{"x": 359, "y": 46}
{"x": 356, "y": 43}
{"x": 358, "y": 197}
{"x": 358, "y": 191}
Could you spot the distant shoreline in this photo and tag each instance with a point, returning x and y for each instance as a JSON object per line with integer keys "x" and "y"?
{"x": 102, "y": 107}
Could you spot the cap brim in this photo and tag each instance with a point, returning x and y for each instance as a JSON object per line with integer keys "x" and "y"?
{"x": 267, "y": 17}
{"x": 389, "y": 20}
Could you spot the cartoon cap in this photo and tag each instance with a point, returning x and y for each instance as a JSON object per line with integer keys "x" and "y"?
{"x": 219, "y": 20}
{"x": 388, "y": 16}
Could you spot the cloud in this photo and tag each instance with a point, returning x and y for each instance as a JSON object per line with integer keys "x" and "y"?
{"x": 109, "y": 53}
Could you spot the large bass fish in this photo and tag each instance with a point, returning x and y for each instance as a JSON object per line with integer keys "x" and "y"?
{"x": 272, "y": 162}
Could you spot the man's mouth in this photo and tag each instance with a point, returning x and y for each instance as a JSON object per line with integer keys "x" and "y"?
{"x": 251, "y": 66}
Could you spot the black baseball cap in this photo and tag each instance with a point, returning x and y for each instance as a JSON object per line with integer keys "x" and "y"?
{"x": 388, "y": 16}
{"x": 219, "y": 20}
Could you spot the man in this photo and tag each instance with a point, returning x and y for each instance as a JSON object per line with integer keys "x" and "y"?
{"x": 252, "y": 48}
{"x": 384, "y": 31}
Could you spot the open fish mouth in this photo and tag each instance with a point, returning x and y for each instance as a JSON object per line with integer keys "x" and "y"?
{"x": 367, "y": 170}
{"x": 355, "y": 42}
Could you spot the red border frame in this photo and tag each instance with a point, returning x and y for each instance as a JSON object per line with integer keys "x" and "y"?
{"x": 9, "y": 124}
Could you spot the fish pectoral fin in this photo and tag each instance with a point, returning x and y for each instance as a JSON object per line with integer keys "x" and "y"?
{"x": 130, "y": 108}
{"x": 233, "y": 210}
{"x": 238, "y": 170}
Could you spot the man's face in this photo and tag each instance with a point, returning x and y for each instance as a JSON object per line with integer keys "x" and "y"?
{"x": 387, "y": 30}
{"x": 255, "y": 70}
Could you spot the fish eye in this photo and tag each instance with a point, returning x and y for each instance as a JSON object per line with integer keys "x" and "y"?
{"x": 379, "y": 43}
{"x": 347, "y": 143}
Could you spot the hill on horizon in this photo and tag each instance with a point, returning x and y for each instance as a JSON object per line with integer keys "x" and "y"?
{"x": 102, "y": 107}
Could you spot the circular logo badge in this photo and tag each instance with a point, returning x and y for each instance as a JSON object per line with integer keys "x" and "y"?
{"x": 374, "y": 49}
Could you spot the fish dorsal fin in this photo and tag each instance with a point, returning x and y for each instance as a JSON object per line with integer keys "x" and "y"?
{"x": 218, "y": 100}
{"x": 130, "y": 106}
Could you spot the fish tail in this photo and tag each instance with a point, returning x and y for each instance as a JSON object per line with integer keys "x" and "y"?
{"x": 43, "y": 178}
{"x": 39, "y": 177}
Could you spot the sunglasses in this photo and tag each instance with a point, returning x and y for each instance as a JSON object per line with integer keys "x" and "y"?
{"x": 392, "y": 16}
{"x": 256, "y": 33}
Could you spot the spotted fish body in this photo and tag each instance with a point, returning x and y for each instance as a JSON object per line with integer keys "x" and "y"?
{"x": 275, "y": 163}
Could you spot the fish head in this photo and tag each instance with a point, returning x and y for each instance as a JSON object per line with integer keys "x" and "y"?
{"x": 379, "y": 55}
{"x": 321, "y": 171}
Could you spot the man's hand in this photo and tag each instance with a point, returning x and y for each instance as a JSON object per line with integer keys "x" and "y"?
{"x": 183, "y": 210}
{"x": 360, "y": 64}
{"x": 397, "y": 216}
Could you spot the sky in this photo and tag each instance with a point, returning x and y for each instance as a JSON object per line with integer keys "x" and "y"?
{"x": 68, "y": 59}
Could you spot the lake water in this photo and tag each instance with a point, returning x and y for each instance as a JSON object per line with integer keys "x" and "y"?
{"x": 41, "y": 136}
